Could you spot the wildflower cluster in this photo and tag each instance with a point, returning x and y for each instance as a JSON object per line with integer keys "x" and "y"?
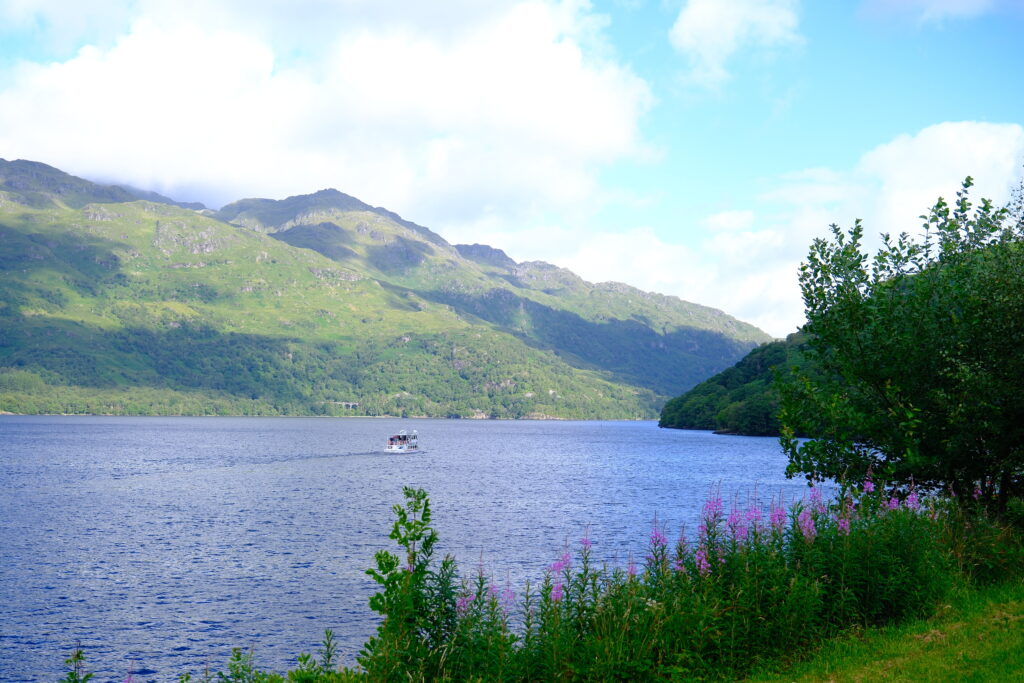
{"x": 742, "y": 591}
{"x": 806, "y": 573}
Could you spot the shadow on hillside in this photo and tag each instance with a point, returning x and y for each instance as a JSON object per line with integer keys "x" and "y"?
{"x": 183, "y": 357}
{"x": 628, "y": 349}
{"x": 325, "y": 238}
{"x": 287, "y": 376}
{"x": 87, "y": 265}
{"x": 402, "y": 298}
{"x": 84, "y": 263}
{"x": 400, "y": 255}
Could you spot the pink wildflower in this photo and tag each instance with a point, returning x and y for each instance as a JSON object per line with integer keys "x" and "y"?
{"x": 462, "y": 604}
{"x": 556, "y": 592}
{"x": 701, "y": 558}
{"x": 977, "y": 492}
{"x": 806, "y": 523}
{"x": 586, "y": 542}
{"x": 508, "y": 599}
{"x": 737, "y": 525}
{"x": 844, "y": 525}
{"x": 913, "y": 502}
{"x": 777, "y": 518}
{"x": 869, "y": 486}
{"x": 713, "y": 507}
{"x": 559, "y": 566}
{"x": 816, "y": 501}
{"x": 631, "y": 569}
{"x": 658, "y": 538}
{"x": 894, "y": 503}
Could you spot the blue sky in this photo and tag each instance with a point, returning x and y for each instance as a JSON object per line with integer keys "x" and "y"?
{"x": 693, "y": 148}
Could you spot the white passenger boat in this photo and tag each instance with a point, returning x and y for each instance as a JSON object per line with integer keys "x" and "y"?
{"x": 402, "y": 443}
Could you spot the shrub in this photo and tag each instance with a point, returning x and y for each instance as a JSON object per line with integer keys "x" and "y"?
{"x": 746, "y": 589}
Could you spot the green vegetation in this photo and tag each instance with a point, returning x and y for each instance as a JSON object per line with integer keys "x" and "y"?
{"x": 918, "y": 356}
{"x": 76, "y": 667}
{"x": 899, "y": 354}
{"x": 911, "y": 382}
{"x": 740, "y": 400}
{"x": 315, "y": 305}
{"x": 977, "y": 637}
{"x": 747, "y": 594}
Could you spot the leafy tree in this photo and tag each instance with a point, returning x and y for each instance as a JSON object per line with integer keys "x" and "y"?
{"x": 920, "y": 355}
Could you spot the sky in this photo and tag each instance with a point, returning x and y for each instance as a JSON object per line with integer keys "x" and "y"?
{"x": 687, "y": 147}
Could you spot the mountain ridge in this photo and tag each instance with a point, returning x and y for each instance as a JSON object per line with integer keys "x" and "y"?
{"x": 35, "y": 180}
{"x": 328, "y": 301}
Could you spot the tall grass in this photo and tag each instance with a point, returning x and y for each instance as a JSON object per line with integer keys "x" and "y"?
{"x": 754, "y": 585}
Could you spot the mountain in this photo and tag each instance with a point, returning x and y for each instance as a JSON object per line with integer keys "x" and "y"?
{"x": 269, "y": 215}
{"x": 740, "y": 400}
{"x": 41, "y": 186}
{"x": 315, "y": 304}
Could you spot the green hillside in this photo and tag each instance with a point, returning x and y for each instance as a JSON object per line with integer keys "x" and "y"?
{"x": 317, "y": 304}
{"x": 740, "y": 400}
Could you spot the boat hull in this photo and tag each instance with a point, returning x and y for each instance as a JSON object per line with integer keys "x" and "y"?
{"x": 402, "y": 442}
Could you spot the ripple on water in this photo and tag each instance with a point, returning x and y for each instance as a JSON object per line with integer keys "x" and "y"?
{"x": 161, "y": 543}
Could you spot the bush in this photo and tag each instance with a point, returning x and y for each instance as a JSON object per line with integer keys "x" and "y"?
{"x": 746, "y": 589}
{"x": 984, "y": 548}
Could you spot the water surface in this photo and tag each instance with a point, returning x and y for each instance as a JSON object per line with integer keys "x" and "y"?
{"x": 161, "y": 543}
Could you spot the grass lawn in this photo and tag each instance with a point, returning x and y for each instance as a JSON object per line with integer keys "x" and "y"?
{"x": 978, "y": 636}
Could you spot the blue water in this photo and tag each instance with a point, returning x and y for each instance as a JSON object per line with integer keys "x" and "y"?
{"x": 159, "y": 544}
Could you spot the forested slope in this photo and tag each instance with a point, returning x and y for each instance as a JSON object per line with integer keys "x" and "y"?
{"x": 740, "y": 400}
{"x": 317, "y": 304}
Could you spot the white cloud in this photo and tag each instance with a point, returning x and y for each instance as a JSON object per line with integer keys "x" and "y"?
{"x": 737, "y": 272}
{"x": 822, "y": 187}
{"x": 747, "y": 260}
{"x": 445, "y": 115}
{"x": 889, "y": 188}
{"x": 913, "y": 171}
{"x": 640, "y": 258}
{"x": 748, "y": 271}
{"x": 730, "y": 221}
{"x": 709, "y": 32}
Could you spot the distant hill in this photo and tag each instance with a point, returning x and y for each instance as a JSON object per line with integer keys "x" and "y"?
{"x": 739, "y": 400}
{"x": 315, "y": 304}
